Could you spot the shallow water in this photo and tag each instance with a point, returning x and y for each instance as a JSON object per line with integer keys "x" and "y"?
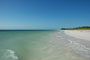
{"x": 40, "y": 45}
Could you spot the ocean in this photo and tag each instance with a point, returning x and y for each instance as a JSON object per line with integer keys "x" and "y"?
{"x": 40, "y": 45}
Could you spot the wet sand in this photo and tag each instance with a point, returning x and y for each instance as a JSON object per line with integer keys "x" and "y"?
{"x": 81, "y": 36}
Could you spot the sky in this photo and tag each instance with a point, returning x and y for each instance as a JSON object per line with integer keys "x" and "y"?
{"x": 44, "y": 14}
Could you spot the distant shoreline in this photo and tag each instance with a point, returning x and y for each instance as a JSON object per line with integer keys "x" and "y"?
{"x": 77, "y": 28}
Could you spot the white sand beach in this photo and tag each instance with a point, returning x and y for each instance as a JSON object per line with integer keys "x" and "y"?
{"x": 80, "y": 34}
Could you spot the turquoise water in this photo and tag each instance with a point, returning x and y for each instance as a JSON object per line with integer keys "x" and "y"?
{"x": 40, "y": 45}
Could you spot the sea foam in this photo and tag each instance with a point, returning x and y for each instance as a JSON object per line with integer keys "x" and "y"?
{"x": 79, "y": 48}
{"x": 8, "y": 54}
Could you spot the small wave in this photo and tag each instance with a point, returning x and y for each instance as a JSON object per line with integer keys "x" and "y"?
{"x": 8, "y": 54}
{"x": 79, "y": 48}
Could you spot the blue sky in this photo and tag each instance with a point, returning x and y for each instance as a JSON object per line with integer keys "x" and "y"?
{"x": 44, "y": 14}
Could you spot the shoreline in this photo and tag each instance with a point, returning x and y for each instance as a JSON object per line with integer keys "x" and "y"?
{"x": 80, "y": 34}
